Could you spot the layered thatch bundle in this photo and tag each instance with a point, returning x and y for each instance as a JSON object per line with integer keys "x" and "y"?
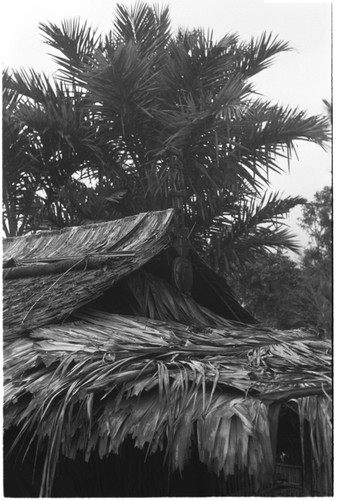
{"x": 189, "y": 375}
{"x": 119, "y": 248}
{"x": 50, "y": 274}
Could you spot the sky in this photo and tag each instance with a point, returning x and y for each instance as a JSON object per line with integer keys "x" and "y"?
{"x": 300, "y": 78}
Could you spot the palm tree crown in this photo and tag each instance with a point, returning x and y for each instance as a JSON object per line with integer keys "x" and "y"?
{"x": 148, "y": 114}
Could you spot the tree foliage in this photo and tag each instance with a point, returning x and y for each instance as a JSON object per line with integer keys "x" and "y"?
{"x": 268, "y": 288}
{"x": 317, "y": 259}
{"x": 317, "y": 221}
{"x": 286, "y": 294}
{"x": 141, "y": 114}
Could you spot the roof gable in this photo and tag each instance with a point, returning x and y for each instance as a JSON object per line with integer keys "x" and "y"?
{"x": 120, "y": 247}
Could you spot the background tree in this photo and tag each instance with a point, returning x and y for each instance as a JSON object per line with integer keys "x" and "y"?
{"x": 136, "y": 116}
{"x": 287, "y": 294}
{"x": 317, "y": 261}
{"x": 317, "y": 221}
{"x": 268, "y": 288}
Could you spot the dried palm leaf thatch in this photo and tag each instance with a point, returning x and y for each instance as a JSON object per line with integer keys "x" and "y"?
{"x": 45, "y": 282}
{"x": 157, "y": 299}
{"x": 125, "y": 234}
{"x": 317, "y": 411}
{"x": 44, "y": 297}
{"x": 91, "y": 383}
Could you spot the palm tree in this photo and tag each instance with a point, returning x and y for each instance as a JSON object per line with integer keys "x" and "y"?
{"x": 51, "y": 150}
{"x": 182, "y": 114}
{"x": 177, "y": 122}
{"x": 19, "y": 181}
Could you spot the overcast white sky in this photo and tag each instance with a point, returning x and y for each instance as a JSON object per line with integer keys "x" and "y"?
{"x": 299, "y": 78}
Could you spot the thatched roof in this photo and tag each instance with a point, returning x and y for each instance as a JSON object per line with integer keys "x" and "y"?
{"x": 87, "y": 379}
{"x": 103, "y": 252}
{"x": 91, "y": 383}
{"x": 50, "y": 274}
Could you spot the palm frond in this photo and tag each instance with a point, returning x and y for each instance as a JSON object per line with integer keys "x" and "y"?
{"x": 32, "y": 85}
{"x": 149, "y": 28}
{"x": 263, "y": 240}
{"x": 259, "y": 53}
{"x": 247, "y": 228}
{"x": 271, "y": 208}
{"x": 77, "y": 43}
{"x": 276, "y": 127}
{"x": 59, "y": 127}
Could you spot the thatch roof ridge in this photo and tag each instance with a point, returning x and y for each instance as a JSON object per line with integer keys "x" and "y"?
{"x": 151, "y": 379}
{"x": 82, "y": 240}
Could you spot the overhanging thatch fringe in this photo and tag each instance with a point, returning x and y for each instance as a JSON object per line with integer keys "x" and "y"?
{"x": 175, "y": 372}
{"x": 318, "y": 412}
{"x": 93, "y": 382}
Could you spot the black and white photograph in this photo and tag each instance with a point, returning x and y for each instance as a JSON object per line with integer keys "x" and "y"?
{"x": 167, "y": 244}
